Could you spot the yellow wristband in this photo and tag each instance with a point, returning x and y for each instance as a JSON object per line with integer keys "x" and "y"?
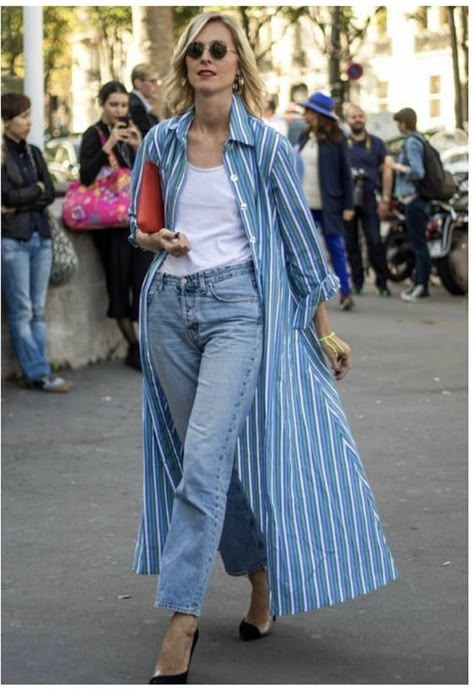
{"x": 327, "y": 337}
{"x": 332, "y": 342}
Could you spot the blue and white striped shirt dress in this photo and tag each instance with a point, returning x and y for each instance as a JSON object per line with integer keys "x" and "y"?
{"x": 296, "y": 455}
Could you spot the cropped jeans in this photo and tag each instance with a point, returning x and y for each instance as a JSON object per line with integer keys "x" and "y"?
{"x": 26, "y": 266}
{"x": 205, "y": 341}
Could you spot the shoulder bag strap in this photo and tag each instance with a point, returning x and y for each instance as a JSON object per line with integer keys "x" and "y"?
{"x": 111, "y": 156}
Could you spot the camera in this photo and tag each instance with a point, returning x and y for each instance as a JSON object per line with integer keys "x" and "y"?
{"x": 124, "y": 119}
{"x": 359, "y": 176}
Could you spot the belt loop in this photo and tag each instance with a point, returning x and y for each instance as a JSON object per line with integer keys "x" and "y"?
{"x": 202, "y": 282}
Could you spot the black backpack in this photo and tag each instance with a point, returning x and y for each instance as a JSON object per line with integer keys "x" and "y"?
{"x": 437, "y": 183}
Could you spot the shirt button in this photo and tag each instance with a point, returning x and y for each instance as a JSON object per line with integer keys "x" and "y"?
{"x": 234, "y": 178}
{"x": 243, "y": 207}
{"x": 252, "y": 239}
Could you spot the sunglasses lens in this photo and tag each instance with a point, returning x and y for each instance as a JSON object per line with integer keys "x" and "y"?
{"x": 195, "y": 50}
{"x": 218, "y": 50}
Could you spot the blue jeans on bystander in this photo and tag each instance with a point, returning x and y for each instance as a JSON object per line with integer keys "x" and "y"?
{"x": 26, "y": 266}
{"x": 335, "y": 246}
{"x": 417, "y": 217}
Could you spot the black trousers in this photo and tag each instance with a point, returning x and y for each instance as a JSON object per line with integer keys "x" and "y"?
{"x": 366, "y": 217}
{"x": 125, "y": 268}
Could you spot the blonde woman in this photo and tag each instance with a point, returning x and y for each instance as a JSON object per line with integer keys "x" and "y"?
{"x": 239, "y": 442}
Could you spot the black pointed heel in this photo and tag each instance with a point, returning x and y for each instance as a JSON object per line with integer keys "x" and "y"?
{"x": 249, "y": 632}
{"x": 177, "y": 678}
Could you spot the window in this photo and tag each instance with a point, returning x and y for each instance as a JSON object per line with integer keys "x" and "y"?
{"x": 435, "y": 85}
{"x": 422, "y": 17}
{"x": 382, "y": 95}
{"x": 435, "y": 108}
{"x": 381, "y": 22}
{"x": 435, "y": 95}
{"x": 443, "y": 18}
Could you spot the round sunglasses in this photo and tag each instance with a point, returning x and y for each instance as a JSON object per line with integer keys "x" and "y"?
{"x": 217, "y": 50}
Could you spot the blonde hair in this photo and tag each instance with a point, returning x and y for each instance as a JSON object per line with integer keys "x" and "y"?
{"x": 141, "y": 71}
{"x": 178, "y": 92}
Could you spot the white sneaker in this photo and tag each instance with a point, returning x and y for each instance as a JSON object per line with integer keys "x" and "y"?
{"x": 415, "y": 293}
{"x": 51, "y": 384}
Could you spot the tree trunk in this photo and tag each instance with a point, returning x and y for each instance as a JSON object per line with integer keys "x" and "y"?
{"x": 153, "y": 32}
{"x": 465, "y": 50}
{"x": 457, "y": 81}
{"x": 335, "y": 83}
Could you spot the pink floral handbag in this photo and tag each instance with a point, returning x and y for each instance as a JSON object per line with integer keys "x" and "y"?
{"x": 104, "y": 203}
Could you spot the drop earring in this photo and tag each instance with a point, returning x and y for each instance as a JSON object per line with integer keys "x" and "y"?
{"x": 238, "y": 84}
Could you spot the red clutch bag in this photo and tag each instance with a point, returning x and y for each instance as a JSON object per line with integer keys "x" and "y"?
{"x": 150, "y": 214}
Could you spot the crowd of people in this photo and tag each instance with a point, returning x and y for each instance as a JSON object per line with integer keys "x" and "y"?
{"x": 348, "y": 181}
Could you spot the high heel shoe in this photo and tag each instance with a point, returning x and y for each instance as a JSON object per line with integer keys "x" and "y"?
{"x": 249, "y": 631}
{"x": 177, "y": 678}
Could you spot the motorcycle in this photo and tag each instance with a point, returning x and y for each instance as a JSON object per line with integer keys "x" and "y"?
{"x": 447, "y": 238}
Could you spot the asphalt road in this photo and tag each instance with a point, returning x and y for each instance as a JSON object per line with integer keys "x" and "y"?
{"x": 74, "y": 613}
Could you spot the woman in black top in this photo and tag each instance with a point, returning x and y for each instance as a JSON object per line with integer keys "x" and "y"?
{"x": 27, "y": 251}
{"x": 125, "y": 266}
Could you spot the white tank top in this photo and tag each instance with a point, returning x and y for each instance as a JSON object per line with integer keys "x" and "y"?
{"x": 208, "y": 215}
{"x": 311, "y": 185}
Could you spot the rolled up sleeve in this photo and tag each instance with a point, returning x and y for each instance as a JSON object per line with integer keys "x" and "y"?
{"x": 414, "y": 154}
{"x": 311, "y": 280}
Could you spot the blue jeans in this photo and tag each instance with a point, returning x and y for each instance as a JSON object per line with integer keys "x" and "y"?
{"x": 417, "y": 216}
{"x": 205, "y": 340}
{"x": 26, "y": 266}
{"x": 335, "y": 246}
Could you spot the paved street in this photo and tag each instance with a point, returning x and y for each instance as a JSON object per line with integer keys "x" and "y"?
{"x": 74, "y": 613}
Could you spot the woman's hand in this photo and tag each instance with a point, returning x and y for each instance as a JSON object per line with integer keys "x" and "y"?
{"x": 119, "y": 132}
{"x": 134, "y": 136}
{"x": 175, "y": 243}
{"x": 347, "y": 214}
{"x": 395, "y": 165}
{"x": 339, "y": 354}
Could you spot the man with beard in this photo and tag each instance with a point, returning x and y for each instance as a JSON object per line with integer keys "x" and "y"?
{"x": 367, "y": 157}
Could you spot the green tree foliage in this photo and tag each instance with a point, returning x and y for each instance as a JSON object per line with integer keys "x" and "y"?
{"x": 58, "y": 23}
{"x": 182, "y": 15}
{"x": 110, "y": 22}
{"x": 12, "y": 40}
{"x": 254, "y": 19}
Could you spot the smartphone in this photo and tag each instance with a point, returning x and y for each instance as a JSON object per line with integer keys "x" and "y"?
{"x": 125, "y": 119}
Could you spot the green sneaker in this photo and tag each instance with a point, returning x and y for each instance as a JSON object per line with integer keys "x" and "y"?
{"x": 358, "y": 291}
{"x": 384, "y": 292}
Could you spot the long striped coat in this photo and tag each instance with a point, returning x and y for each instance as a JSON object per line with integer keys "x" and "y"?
{"x": 296, "y": 455}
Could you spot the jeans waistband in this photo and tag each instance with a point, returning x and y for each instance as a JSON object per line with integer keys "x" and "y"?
{"x": 208, "y": 277}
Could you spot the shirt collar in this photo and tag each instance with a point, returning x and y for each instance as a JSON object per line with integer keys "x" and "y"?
{"x": 240, "y": 128}
{"x": 19, "y": 146}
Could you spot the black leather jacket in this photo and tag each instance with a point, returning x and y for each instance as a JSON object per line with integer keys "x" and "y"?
{"x": 23, "y": 196}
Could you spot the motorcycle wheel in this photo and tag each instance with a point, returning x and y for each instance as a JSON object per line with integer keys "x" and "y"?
{"x": 453, "y": 268}
{"x": 399, "y": 256}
